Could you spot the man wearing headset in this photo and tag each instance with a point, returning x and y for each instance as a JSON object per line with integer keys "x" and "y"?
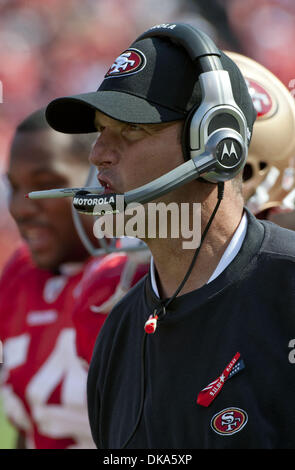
{"x": 197, "y": 355}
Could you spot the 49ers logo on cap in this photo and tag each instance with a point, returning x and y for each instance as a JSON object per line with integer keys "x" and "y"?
{"x": 229, "y": 421}
{"x": 264, "y": 104}
{"x": 129, "y": 62}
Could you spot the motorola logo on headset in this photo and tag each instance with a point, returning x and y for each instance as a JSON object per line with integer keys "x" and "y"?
{"x": 229, "y": 153}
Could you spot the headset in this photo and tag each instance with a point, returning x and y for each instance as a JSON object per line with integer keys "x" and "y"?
{"x": 215, "y": 156}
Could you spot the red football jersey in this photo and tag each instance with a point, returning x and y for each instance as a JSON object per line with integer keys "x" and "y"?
{"x": 105, "y": 281}
{"x": 43, "y": 381}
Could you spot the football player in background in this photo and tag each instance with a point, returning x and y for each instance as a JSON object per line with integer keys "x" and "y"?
{"x": 43, "y": 381}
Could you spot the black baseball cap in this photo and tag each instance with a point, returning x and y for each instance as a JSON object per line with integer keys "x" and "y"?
{"x": 153, "y": 81}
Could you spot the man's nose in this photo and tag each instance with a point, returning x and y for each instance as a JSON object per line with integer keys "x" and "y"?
{"x": 106, "y": 150}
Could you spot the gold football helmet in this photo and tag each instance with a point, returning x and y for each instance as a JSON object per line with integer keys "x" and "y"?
{"x": 269, "y": 174}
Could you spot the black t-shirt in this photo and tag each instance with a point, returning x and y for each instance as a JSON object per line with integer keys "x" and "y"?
{"x": 143, "y": 389}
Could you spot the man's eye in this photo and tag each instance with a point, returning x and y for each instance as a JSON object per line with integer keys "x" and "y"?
{"x": 133, "y": 127}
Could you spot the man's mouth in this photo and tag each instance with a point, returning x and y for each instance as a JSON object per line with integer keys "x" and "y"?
{"x": 108, "y": 188}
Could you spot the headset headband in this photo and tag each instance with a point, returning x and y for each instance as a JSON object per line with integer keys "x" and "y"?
{"x": 196, "y": 43}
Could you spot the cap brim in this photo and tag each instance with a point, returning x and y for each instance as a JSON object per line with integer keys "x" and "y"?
{"x": 76, "y": 114}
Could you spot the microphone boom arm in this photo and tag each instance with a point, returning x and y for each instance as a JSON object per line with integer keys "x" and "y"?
{"x": 180, "y": 175}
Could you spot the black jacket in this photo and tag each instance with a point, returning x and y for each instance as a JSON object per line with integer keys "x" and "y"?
{"x": 143, "y": 389}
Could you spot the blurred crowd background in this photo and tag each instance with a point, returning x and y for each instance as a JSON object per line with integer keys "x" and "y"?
{"x": 60, "y": 47}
